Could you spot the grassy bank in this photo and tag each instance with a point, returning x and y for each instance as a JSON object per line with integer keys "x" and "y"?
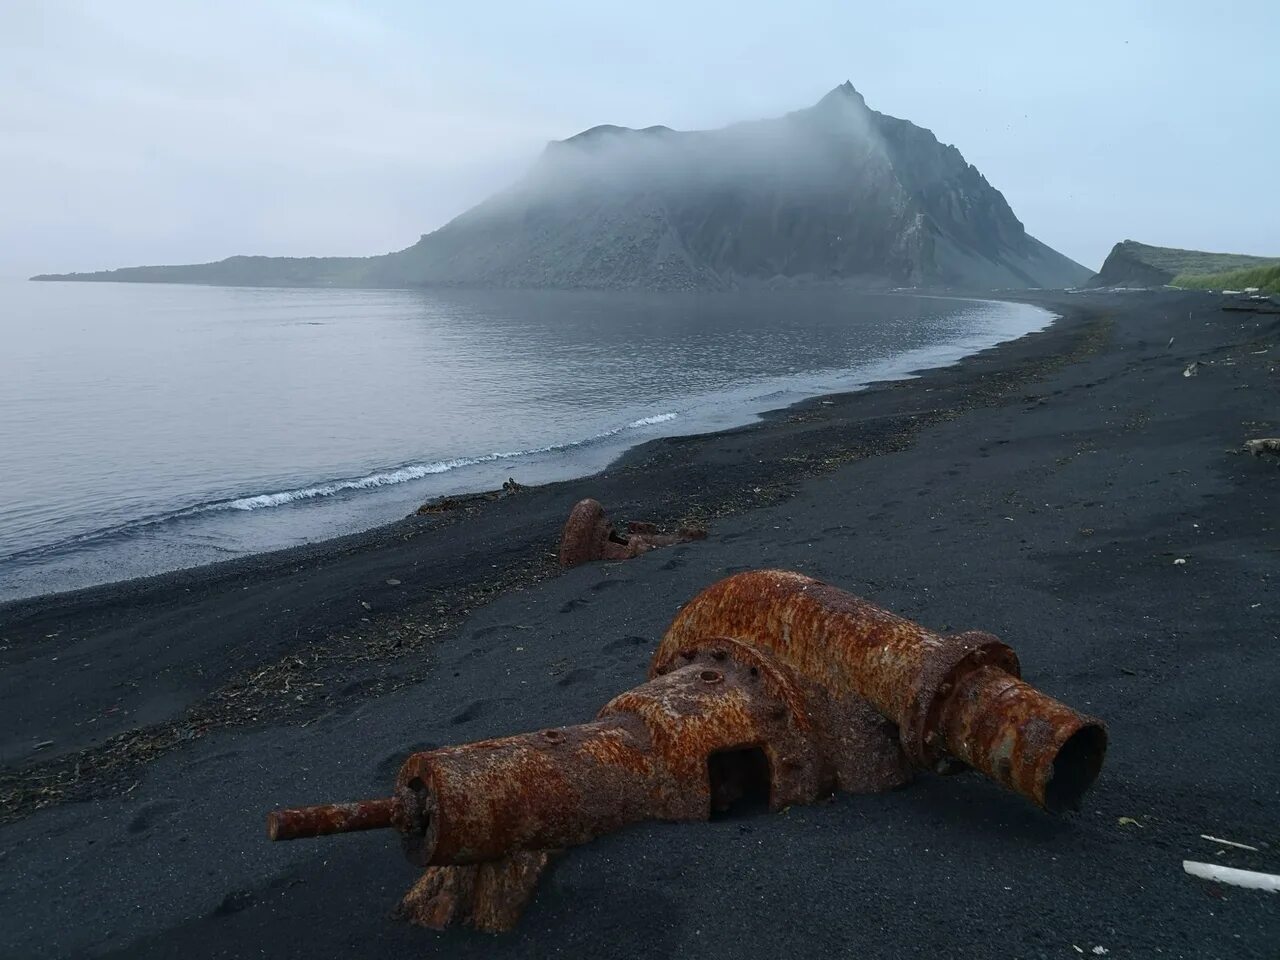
{"x": 1264, "y": 278}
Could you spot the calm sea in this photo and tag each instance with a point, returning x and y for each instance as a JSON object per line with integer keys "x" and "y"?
{"x": 149, "y": 427}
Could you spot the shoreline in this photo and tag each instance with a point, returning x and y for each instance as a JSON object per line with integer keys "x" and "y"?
{"x": 1040, "y": 489}
{"x": 622, "y": 487}
{"x": 895, "y": 368}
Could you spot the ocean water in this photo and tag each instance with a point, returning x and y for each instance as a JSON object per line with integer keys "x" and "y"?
{"x": 145, "y": 428}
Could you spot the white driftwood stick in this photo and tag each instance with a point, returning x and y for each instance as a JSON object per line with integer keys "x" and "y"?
{"x": 1229, "y": 843}
{"x": 1236, "y": 878}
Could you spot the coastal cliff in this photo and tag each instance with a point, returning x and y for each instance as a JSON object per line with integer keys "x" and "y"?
{"x": 1133, "y": 264}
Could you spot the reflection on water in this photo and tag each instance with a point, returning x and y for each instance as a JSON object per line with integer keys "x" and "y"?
{"x": 146, "y": 427}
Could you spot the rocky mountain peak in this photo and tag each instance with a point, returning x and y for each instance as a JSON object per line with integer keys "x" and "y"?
{"x": 832, "y": 192}
{"x": 845, "y": 92}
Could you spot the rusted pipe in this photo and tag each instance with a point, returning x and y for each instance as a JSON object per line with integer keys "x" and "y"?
{"x": 1022, "y": 739}
{"x": 330, "y": 818}
{"x": 953, "y": 697}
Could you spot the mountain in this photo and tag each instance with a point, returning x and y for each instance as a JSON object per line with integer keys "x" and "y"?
{"x": 1133, "y": 264}
{"x": 836, "y": 191}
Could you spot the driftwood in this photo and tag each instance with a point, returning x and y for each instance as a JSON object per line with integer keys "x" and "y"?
{"x": 1263, "y": 445}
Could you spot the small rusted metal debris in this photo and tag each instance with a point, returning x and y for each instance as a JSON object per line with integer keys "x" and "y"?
{"x": 768, "y": 687}
{"x": 588, "y": 535}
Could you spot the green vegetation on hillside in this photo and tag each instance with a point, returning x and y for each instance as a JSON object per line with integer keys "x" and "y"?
{"x": 1138, "y": 264}
{"x": 1191, "y": 261}
{"x": 1264, "y": 278}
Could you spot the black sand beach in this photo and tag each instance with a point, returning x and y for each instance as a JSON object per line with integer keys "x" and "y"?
{"x": 1041, "y": 490}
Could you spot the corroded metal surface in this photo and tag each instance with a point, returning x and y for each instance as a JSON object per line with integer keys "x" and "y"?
{"x": 1021, "y": 738}
{"x": 332, "y": 818}
{"x": 644, "y": 758}
{"x": 769, "y": 687}
{"x": 720, "y": 722}
{"x": 911, "y": 675}
{"x": 838, "y": 738}
{"x": 588, "y": 535}
{"x": 488, "y": 896}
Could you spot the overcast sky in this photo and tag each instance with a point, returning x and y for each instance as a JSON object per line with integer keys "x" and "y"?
{"x": 179, "y": 132}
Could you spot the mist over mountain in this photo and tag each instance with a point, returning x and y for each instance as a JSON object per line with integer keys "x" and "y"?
{"x": 836, "y": 191}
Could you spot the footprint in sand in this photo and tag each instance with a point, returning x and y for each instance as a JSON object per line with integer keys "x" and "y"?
{"x": 676, "y": 560}
{"x": 606, "y": 584}
{"x": 628, "y": 644}
{"x": 576, "y": 675}
{"x": 473, "y": 711}
{"x": 234, "y": 902}
{"x": 150, "y": 813}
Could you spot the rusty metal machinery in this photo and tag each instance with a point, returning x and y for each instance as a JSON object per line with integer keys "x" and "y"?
{"x": 769, "y": 686}
{"x": 588, "y": 535}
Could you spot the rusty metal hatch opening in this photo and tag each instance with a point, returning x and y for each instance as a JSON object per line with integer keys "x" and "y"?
{"x": 740, "y": 782}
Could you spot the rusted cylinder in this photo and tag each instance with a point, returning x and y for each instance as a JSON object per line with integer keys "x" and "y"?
{"x": 645, "y": 758}
{"x": 851, "y": 647}
{"x": 844, "y": 643}
{"x": 1022, "y": 738}
{"x": 534, "y": 791}
{"x": 326, "y": 818}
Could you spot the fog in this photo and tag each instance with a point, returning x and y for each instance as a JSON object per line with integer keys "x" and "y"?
{"x": 141, "y": 132}
{"x": 795, "y": 148}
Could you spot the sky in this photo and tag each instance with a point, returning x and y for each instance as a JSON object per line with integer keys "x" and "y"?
{"x": 138, "y": 132}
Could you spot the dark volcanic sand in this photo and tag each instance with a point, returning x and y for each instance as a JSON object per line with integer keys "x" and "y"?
{"x": 1041, "y": 490}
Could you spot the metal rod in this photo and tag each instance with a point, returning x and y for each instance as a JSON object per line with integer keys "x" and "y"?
{"x": 332, "y": 818}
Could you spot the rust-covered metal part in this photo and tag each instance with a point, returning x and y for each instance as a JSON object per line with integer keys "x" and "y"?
{"x": 768, "y": 687}
{"x": 957, "y": 697}
{"x": 329, "y": 818}
{"x": 588, "y": 535}
{"x": 489, "y": 896}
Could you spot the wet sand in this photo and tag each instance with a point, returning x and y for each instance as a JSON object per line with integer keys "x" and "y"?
{"x": 1041, "y": 490}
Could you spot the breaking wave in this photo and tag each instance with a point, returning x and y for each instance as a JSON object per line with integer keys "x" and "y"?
{"x": 647, "y": 421}
{"x": 416, "y": 471}
{"x": 381, "y": 478}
